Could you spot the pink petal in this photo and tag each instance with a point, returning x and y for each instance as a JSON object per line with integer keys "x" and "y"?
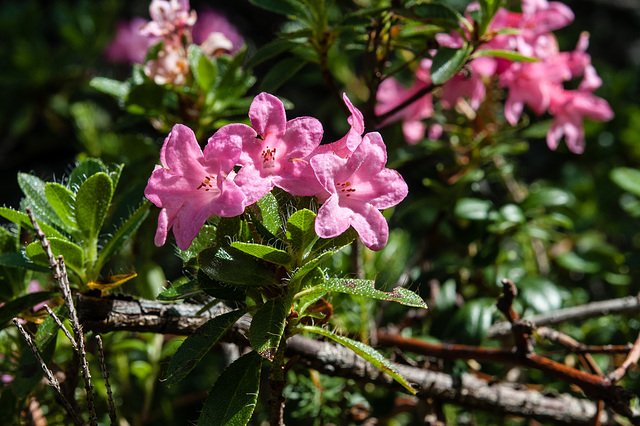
{"x": 332, "y": 219}
{"x": 225, "y": 146}
{"x": 371, "y": 226}
{"x": 267, "y": 115}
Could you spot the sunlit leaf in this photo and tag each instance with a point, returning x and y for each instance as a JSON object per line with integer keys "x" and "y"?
{"x": 366, "y": 288}
{"x": 267, "y": 327}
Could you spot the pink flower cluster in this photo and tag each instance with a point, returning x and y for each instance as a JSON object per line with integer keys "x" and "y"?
{"x": 539, "y": 85}
{"x": 172, "y": 21}
{"x": 240, "y": 164}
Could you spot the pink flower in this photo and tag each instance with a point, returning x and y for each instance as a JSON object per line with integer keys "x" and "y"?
{"x": 468, "y": 84}
{"x": 128, "y": 45}
{"x": 192, "y": 185}
{"x": 275, "y": 151}
{"x": 170, "y": 18}
{"x": 356, "y": 189}
{"x": 391, "y": 94}
{"x": 213, "y": 29}
{"x": 171, "y": 66}
{"x": 345, "y": 146}
{"x": 569, "y": 107}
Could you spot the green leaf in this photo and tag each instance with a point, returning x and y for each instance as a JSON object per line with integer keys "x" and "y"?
{"x": 270, "y": 50}
{"x": 198, "y": 344}
{"x": 34, "y": 191}
{"x": 574, "y": 262}
{"x": 267, "y": 327}
{"x": 115, "y": 88}
{"x": 284, "y": 7}
{"x": 437, "y": 12}
{"x": 203, "y": 69}
{"x": 123, "y": 233}
{"x": 83, "y": 171}
{"x": 627, "y": 179}
{"x": 63, "y": 202}
{"x": 12, "y": 309}
{"x": 506, "y": 54}
{"x": 300, "y": 231}
{"x": 540, "y": 294}
{"x": 447, "y": 62}
{"x": 335, "y": 243}
{"x": 281, "y": 72}
{"x": 301, "y": 272}
{"x": 205, "y": 239}
{"x": 219, "y": 290}
{"x": 268, "y": 253}
{"x": 231, "y": 266}
{"x": 365, "y": 351}
{"x": 180, "y": 291}
{"x": 270, "y": 213}
{"x": 235, "y": 394}
{"x": 366, "y": 288}
{"x": 73, "y": 254}
{"x": 472, "y": 208}
{"x": 92, "y": 203}
{"x": 548, "y": 197}
{"x": 23, "y": 220}
{"x": 227, "y": 230}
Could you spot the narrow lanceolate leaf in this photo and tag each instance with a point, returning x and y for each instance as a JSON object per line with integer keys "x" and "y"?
{"x": 73, "y": 254}
{"x": 92, "y": 203}
{"x": 268, "y": 253}
{"x": 271, "y": 218}
{"x": 300, "y": 230}
{"x": 203, "y": 69}
{"x": 23, "y": 220}
{"x": 115, "y": 88}
{"x": 447, "y": 62}
{"x": 33, "y": 189}
{"x": 365, "y": 351}
{"x": 301, "y": 272}
{"x": 122, "y": 234}
{"x": 507, "y": 54}
{"x": 267, "y": 327}
{"x": 63, "y": 202}
{"x": 198, "y": 344}
{"x": 281, "y": 72}
{"x": 235, "y": 393}
{"x": 365, "y": 288}
{"x": 335, "y": 243}
{"x": 231, "y": 266}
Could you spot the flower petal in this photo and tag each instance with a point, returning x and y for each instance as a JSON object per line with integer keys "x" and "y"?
{"x": 267, "y": 115}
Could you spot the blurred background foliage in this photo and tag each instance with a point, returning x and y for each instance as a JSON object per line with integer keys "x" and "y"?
{"x": 563, "y": 227}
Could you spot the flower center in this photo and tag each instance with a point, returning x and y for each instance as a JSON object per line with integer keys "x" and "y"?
{"x": 268, "y": 157}
{"x": 346, "y": 188}
{"x": 208, "y": 183}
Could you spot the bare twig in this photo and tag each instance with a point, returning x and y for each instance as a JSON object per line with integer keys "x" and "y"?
{"x": 105, "y": 374}
{"x": 520, "y": 329}
{"x": 60, "y": 274}
{"x": 573, "y": 345}
{"x": 632, "y": 359}
{"x": 629, "y": 304}
{"x": 66, "y": 332}
{"x": 77, "y": 418}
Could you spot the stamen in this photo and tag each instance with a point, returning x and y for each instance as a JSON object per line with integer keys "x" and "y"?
{"x": 207, "y": 183}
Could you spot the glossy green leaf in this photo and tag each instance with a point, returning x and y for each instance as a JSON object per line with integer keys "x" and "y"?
{"x": 115, "y": 88}
{"x": 447, "y": 62}
{"x": 34, "y": 191}
{"x": 23, "y": 220}
{"x": 92, "y": 203}
{"x": 235, "y": 394}
{"x": 203, "y": 69}
{"x": 472, "y": 208}
{"x": 548, "y": 197}
{"x": 267, "y": 327}
{"x": 198, "y": 344}
{"x": 365, "y": 351}
{"x": 284, "y": 7}
{"x": 301, "y": 272}
{"x": 574, "y": 262}
{"x": 270, "y": 213}
{"x": 366, "y": 288}
{"x": 123, "y": 233}
{"x": 540, "y": 294}
{"x": 180, "y": 291}
{"x": 335, "y": 243}
{"x": 627, "y": 179}
{"x": 227, "y": 230}
{"x": 83, "y": 171}
{"x": 281, "y": 72}
{"x": 219, "y": 290}
{"x": 73, "y": 254}
{"x": 506, "y": 54}
{"x": 231, "y": 266}
{"x": 268, "y": 253}
{"x": 63, "y": 201}
{"x": 13, "y": 308}
{"x": 300, "y": 231}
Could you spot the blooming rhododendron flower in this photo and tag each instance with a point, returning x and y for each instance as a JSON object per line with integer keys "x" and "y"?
{"x": 275, "y": 151}
{"x": 356, "y": 189}
{"x": 192, "y": 185}
{"x": 344, "y": 146}
{"x": 170, "y": 18}
{"x": 171, "y": 66}
{"x": 214, "y": 32}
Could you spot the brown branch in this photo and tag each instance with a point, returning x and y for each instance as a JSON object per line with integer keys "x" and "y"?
{"x": 103, "y": 315}
{"x": 630, "y": 304}
{"x": 573, "y": 345}
{"x": 77, "y": 418}
{"x": 105, "y": 374}
{"x": 60, "y": 274}
{"x": 521, "y": 329}
{"x": 632, "y": 359}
